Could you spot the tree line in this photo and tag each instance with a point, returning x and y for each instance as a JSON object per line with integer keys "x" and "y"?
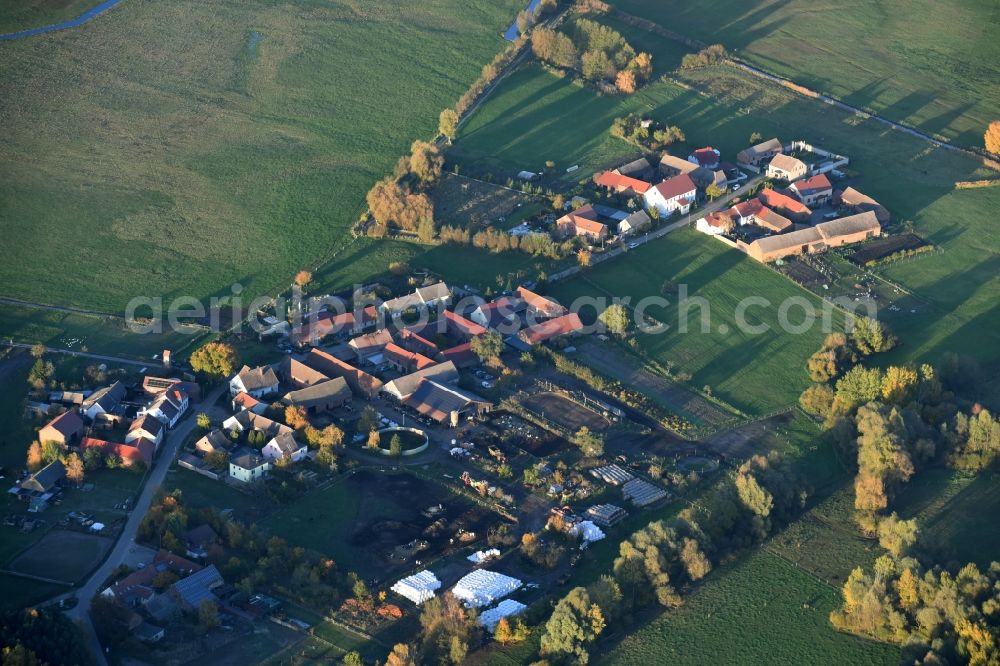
{"x": 599, "y": 53}
{"x": 895, "y": 421}
{"x": 660, "y": 564}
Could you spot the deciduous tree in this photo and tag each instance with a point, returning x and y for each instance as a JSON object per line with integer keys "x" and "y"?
{"x": 448, "y": 123}
{"x": 215, "y": 359}
{"x": 992, "y": 137}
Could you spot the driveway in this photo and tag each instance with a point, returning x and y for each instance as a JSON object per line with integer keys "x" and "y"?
{"x": 126, "y": 549}
{"x": 721, "y": 203}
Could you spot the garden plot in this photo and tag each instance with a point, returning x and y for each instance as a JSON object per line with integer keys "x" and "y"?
{"x": 565, "y": 413}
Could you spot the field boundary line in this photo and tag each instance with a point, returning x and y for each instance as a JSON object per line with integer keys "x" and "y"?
{"x": 986, "y": 159}
{"x": 21, "y": 574}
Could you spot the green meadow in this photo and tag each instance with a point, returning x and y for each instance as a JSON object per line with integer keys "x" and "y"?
{"x": 537, "y": 116}
{"x": 194, "y": 145}
{"x": 931, "y": 64}
{"x": 26, "y": 14}
{"x": 764, "y": 609}
{"x": 755, "y": 372}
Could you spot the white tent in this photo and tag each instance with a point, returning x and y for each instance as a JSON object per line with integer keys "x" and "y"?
{"x": 482, "y": 587}
{"x": 418, "y": 588}
{"x": 481, "y": 556}
{"x": 506, "y": 608}
{"x": 588, "y": 531}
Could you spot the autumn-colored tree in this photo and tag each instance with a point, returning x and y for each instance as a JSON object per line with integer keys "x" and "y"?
{"x": 74, "y": 468}
{"x": 296, "y": 417}
{"x": 302, "y": 278}
{"x": 373, "y": 440}
{"x": 899, "y": 384}
{"x": 817, "y": 400}
{"x": 400, "y": 656}
{"x": 399, "y": 268}
{"x": 487, "y": 346}
{"x": 755, "y": 138}
{"x": 208, "y": 614}
{"x": 625, "y": 81}
{"x": 204, "y": 421}
{"x": 583, "y": 257}
{"x": 714, "y": 191}
{"x": 590, "y": 444}
{"x": 992, "y": 137}
{"x": 448, "y": 123}
{"x": 503, "y": 632}
{"x": 615, "y": 318}
{"x": 34, "y": 462}
{"x": 426, "y": 230}
{"x": 38, "y": 350}
{"x": 555, "y": 48}
{"x": 558, "y": 202}
{"x": 330, "y": 436}
{"x": 897, "y": 536}
{"x": 426, "y": 161}
{"x": 216, "y": 359}
{"x": 642, "y": 65}
{"x": 396, "y": 446}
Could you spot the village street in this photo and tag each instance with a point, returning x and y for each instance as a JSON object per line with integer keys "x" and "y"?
{"x": 126, "y": 540}
{"x": 719, "y": 204}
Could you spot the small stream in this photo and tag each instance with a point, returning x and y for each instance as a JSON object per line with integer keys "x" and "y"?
{"x": 72, "y": 23}
{"x": 512, "y": 32}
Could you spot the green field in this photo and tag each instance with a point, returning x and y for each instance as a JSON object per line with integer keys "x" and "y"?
{"x": 24, "y": 14}
{"x": 90, "y": 333}
{"x": 761, "y": 608}
{"x": 536, "y": 116}
{"x": 364, "y": 260}
{"x": 935, "y": 65}
{"x": 197, "y": 145}
{"x": 733, "y": 363}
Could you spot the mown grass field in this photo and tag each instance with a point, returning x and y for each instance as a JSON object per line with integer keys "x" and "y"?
{"x": 24, "y": 14}
{"x": 536, "y": 116}
{"x": 760, "y": 608}
{"x": 756, "y": 373}
{"x": 91, "y": 333}
{"x": 363, "y": 260}
{"x": 196, "y": 145}
{"x": 929, "y": 64}
{"x": 955, "y": 513}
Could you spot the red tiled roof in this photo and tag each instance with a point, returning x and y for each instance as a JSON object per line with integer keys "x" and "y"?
{"x": 584, "y": 218}
{"x": 619, "y": 183}
{"x": 552, "y": 328}
{"x": 359, "y": 380}
{"x": 747, "y": 208}
{"x": 784, "y": 202}
{"x": 467, "y": 327}
{"x": 461, "y": 355}
{"x": 407, "y": 359}
{"x": 717, "y": 219}
{"x": 540, "y": 303}
{"x": 813, "y": 184}
{"x": 706, "y": 156}
{"x": 676, "y": 186}
{"x": 141, "y": 449}
{"x": 245, "y": 400}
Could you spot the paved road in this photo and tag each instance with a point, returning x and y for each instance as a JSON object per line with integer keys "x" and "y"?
{"x": 719, "y": 204}
{"x": 126, "y": 540}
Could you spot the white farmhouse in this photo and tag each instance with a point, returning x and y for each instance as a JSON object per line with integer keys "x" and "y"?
{"x": 673, "y": 194}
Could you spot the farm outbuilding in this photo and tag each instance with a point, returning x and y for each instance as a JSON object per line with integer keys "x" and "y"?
{"x": 506, "y": 608}
{"x": 418, "y": 588}
{"x": 482, "y": 587}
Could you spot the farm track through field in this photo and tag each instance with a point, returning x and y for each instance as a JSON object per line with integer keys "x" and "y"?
{"x": 660, "y": 389}
{"x": 788, "y": 84}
